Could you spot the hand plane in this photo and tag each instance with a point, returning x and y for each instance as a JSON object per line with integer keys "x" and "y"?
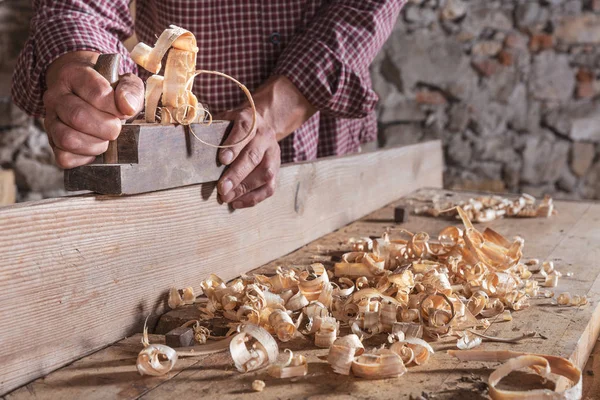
{"x": 150, "y": 157}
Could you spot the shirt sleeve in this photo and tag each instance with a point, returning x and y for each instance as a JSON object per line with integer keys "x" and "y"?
{"x": 329, "y": 59}
{"x": 63, "y": 26}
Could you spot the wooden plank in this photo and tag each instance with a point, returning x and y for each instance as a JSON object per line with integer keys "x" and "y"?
{"x": 8, "y": 190}
{"x": 81, "y": 273}
{"x": 564, "y": 239}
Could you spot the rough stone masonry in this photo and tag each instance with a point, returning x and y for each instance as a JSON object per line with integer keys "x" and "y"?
{"x": 510, "y": 86}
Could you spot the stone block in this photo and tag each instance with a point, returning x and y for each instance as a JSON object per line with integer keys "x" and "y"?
{"x": 552, "y": 77}
{"x": 581, "y": 29}
{"x": 582, "y": 157}
{"x": 544, "y": 159}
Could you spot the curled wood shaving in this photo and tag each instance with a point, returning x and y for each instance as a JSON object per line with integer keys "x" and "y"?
{"x": 342, "y": 353}
{"x": 283, "y": 325}
{"x": 177, "y": 299}
{"x": 296, "y": 365}
{"x": 468, "y": 341}
{"x": 253, "y": 348}
{"x": 379, "y": 364}
{"x": 179, "y": 104}
{"x": 155, "y": 359}
{"x": 541, "y": 364}
{"x": 408, "y": 287}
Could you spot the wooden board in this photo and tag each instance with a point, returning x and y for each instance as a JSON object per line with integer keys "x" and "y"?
{"x": 567, "y": 239}
{"x": 80, "y": 273}
{"x": 8, "y": 190}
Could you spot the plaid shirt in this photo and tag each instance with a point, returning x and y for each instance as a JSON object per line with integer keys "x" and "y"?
{"x": 323, "y": 46}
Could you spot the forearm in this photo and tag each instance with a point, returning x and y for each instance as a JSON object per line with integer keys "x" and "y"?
{"x": 282, "y": 105}
{"x": 328, "y": 61}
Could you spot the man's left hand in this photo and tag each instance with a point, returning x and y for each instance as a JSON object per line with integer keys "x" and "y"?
{"x": 254, "y": 164}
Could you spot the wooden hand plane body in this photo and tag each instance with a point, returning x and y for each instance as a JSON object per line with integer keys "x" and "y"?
{"x": 152, "y": 157}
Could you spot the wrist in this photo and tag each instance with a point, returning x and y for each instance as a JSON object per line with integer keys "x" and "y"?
{"x": 282, "y": 105}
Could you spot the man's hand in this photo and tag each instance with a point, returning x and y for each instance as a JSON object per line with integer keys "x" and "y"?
{"x": 83, "y": 112}
{"x": 251, "y": 178}
{"x": 254, "y": 164}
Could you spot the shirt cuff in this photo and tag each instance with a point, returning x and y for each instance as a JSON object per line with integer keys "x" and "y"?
{"x": 328, "y": 83}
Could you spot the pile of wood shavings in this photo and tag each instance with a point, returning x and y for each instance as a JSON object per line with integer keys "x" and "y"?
{"x": 178, "y": 103}
{"x": 410, "y": 291}
{"x": 489, "y": 208}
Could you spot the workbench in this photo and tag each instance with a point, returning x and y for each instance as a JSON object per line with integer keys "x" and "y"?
{"x": 570, "y": 239}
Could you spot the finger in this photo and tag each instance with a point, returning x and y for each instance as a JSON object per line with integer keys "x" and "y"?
{"x": 67, "y": 160}
{"x": 129, "y": 95}
{"x": 92, "y": 88}
{"x": 261, "y": 175}
{"x": 83, "y": 117}
{"x": 67, "y": 139}
{"x": 249, "y": 159}
{"x": 241, "y": 125}
{"x": 256, "y": 196}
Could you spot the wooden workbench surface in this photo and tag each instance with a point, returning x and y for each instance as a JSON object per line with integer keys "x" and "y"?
{"x": 570, "y": 239}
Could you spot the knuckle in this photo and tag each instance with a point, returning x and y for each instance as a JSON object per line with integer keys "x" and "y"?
{"x": 251, "y": 202}
{"x": 254, "y": 157}
{"x": 65, "y": 160}
{"x": 270, "y": 190}
{"x": 98, "y": 88}
{"x": 268, "y": 174}
{"x": 242, "y": 189}
{"x": 68, "y": 141}
{"x": 78, "y": 116}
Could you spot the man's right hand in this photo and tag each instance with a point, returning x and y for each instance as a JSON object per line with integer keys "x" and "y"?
{"x": 83, "y": 112}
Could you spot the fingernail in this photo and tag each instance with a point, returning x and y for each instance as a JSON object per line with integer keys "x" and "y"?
{"x": 226, "y": 157}
{"x": 226, "y": 186}
{"x": 132, "y": 101}
{"x": 237, "y": 204}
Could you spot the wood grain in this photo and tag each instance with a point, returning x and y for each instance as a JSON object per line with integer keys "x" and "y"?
{"x": 80, "y": 273}
{"x": 563, "y": 239}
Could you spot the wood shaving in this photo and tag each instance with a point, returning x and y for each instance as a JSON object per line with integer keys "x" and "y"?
{"x": 342, "y": 353}
{"x": 174, "y": 90}
{"x": 295, "y": 365}
{"x": 541, "y": 364}
{"x": 489, "y": 208}
{"x": 253, "y": 348}
{"x": 565, "y": 299}
{"x": 407, "y": 287}
{"x": 155, "y": 359}
{"x": 379, "y": 364}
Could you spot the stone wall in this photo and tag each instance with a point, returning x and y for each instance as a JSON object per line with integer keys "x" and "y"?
{"x": 510, "y": 86}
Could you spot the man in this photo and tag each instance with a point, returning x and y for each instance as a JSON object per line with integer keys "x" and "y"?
{"x": 306, "y": 62}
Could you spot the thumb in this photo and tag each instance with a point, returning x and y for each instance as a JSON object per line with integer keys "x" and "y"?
{"x": 129, "y": 95}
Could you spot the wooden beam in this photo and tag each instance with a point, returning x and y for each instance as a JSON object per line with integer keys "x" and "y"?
{"x": 8, "y": 190}
{"x": 80, "y": 273}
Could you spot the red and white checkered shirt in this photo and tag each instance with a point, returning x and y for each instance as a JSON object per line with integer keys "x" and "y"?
{"x": 323, "y": 46}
